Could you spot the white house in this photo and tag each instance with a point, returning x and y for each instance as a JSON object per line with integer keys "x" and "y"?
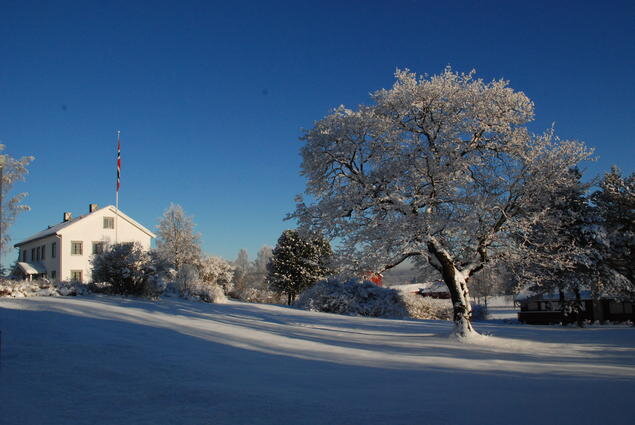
{"x": 63, "y": 252}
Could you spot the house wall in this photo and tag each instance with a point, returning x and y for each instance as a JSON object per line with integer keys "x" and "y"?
{"x": 91, "y": 229}
{"x": 52, "y": 264}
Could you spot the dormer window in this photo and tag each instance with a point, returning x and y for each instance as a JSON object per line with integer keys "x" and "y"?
{"x": 109, "y": 222}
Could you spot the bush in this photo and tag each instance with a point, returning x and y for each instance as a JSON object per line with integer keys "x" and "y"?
{"x": 216, "y": 271}
{"x": 190, "y": 285}
{"x": 40, "y": 288}
{"x": 254, "y": 294}
{"x": 419, "y": 307}
{"x": 353, "y": 298}
{"x": 125, "y": 266}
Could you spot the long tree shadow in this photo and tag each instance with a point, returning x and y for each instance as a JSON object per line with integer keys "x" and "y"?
{"x": 76, "y": 365}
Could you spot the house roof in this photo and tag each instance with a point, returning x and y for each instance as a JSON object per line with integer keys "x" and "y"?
{"x": 56, "y": 229}
{"x": 31, "y": 268}
{"x": 424, "y": 287}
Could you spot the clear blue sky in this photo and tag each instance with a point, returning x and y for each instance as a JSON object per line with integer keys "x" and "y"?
{"x": 211, "y": 97}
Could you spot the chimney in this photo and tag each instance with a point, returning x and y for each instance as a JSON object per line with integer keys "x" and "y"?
{"x": 92, "y": 208}
{"x": 68, "y": 216}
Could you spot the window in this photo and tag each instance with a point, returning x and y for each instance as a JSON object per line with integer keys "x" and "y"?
{"x": 53, "y": 249}
{"x": 32, "y": 254}
{"x": 43, "y": 250}
{"x": 53, "y": 274}
{"x": 76, "y": 248}
{"x": 76, "y": 275}
{"x": 109, "y": 222}
{"x": 24, "y": 255}
{"x": 37, "y": 252}
{"x": 98, "y": 247}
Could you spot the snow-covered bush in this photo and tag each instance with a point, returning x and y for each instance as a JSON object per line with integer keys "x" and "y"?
{"x": 190, "y": 285}
{"x": 40, "y": 288}
{"x": 126, "y": 266}
{"x": 253, "y": 294}
{"x": 419, "y": 307}
{"x": 352, "y": 298}
{"x": 209, "y": 292}
{"x": 437, "y": 309}
{"x": 216, "y": 271}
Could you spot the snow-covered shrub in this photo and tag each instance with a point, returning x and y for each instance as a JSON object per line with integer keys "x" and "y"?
{"x": 40, "y": 288}
{"x": 126, "y": 266}
{"x": 419, "y": 307}
{"x": 191, "y": 286}
{"x": 208, "y": 292}
{"x": 352, "y": 298}
{"x": 216, "y": 271}
{"x": 253, "y": 294}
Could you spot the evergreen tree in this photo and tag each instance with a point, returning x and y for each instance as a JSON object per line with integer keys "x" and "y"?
{"x": 615, "y": 203}
{"x": 298, "y": 262}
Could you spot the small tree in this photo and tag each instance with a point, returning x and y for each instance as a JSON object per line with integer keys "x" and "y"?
{"x": 11, "y": 171}
{"x": 241, "y": 269}
{"x": 126, "y": 266}
{"x": 298, "y": 262}
{"x": 177, "y": 243}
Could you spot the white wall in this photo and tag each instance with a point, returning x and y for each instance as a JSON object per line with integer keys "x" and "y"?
{"x": 49, "y": 262}
{"x": 91, "y": 229}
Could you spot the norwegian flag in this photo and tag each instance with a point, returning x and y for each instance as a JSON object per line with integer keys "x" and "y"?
{"x": 118, "y": 162}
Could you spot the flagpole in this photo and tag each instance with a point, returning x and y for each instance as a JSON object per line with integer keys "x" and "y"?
{"x": 118, "y": 183}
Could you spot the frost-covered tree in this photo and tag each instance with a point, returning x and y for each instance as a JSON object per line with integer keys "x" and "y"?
{"x": 216, "y": 271}
{"x": 615, "y": 203}
{"x": 298, "y": 262}
{"x": 11, "y": 171}
{"x": 126, "y": 266}
{"x": 263, "y": 257}
{"x": 439, "y": 167}
{"x": 241, "y": 270}
{"x": 177, "y": 243}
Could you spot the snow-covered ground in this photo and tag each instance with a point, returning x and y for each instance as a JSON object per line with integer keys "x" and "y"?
{"x": 103, "y": 360}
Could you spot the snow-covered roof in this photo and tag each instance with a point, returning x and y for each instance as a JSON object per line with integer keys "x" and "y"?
{"x": 427, "y": 287}
{"x": 54, "y": 230}
{"x": 31, "y": 268}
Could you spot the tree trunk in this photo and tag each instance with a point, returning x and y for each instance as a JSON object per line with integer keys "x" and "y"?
{"x": 462, "y": 309}
{"x": 578, "y": 308}
{"x": 459, "y": 293}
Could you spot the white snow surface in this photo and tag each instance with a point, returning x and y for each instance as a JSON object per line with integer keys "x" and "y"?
{"x": 108, "y": 360}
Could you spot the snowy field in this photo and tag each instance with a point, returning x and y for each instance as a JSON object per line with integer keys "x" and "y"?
{"x": 102, "y": 360}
